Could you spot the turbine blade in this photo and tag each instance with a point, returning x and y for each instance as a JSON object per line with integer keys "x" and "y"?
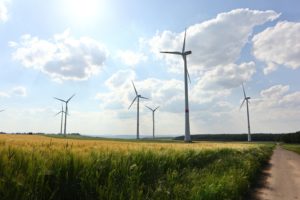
{"x": 242, "y": 103}
{"x": 134, "y": 88}
{"x": 156, "y": 108}
{"x": 58, "y": 113}
{"x": 143, "y": 97}
{"x": 70, "y": 98}
{"x": 172, "y": 52}
{"x": 183, "y": 47}
{"x": 149, "y": 108}
{"x": 244, "y": 90}
{"x": 132, "y": 102}
{"x": 59, "y": 99}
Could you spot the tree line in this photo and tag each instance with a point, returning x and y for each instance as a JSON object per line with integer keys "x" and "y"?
{"x": 263, "y": 137}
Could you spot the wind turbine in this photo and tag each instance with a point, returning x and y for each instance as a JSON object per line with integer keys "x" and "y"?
{"x": 184, "y": 53}
{"x": 246, "y": 99}
{"x": 153, "y": 112}
{"x": 66, "y": 111}
{"x": 62, "y": 118}
{"x": 137, "y": 97}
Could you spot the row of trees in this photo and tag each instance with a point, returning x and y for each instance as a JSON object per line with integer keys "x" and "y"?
{"x": 283, "y": 137}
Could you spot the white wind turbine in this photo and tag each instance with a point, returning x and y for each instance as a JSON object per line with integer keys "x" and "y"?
{"x": 137, "y": 97}
{"x": 66, "y": 111}
{"x": 62, "y": 118}
{"x": 246, "y": 99}
{"x": 153, "y": 120}
{"x": 184, "y": 53}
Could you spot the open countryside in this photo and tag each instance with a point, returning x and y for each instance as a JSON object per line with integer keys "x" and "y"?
{"x": 149, "y": 100}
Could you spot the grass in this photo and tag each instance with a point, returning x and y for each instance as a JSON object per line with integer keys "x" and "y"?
{"x": 292, "y": 147}
{"x": 37, "y": 167}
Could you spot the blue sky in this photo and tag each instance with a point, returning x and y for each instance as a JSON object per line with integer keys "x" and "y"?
{"x": 95, "y": 48}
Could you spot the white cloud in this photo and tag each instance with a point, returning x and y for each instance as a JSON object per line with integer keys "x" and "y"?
{"x": 219, "y": 81}
{"x": 166, "y": 93}
{"x": 274, "y": 91}
{"x": 62, "y": 57}
{"x": 3, "y": 10}
{"x": 131, "y": 58}
{"x": 215, "y": 42}
{"x": 278, "y": 45}
{"x": 19, "y": 91}
{"x": 4, "y": 94}
{"x": 216, "y": 45}
{"x": 277, "y": 97}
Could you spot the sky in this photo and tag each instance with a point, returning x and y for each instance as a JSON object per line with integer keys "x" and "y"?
{"x": 95, "y": 48}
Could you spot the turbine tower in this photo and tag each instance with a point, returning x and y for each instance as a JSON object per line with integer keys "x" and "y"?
{"x": 62, "y": 118}
{"x": 66, "y": 111}
{"x": 184, "y": 54}
{"x": 137, "y": 97}
{"x": 153, "y": 121}
{"x": 246, "y": 99}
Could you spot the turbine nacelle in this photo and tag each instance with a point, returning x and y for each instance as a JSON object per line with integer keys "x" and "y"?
{"x": 187, "y": 53}
{"x": 138, "y": 96}
{"x": 153, "y": 110}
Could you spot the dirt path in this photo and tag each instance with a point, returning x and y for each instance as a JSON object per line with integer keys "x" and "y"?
{"x": 282, "y": 178}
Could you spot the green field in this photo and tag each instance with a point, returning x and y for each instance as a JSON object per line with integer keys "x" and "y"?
{"x": 38, "y": 167}
{"x": 292, "y": 147}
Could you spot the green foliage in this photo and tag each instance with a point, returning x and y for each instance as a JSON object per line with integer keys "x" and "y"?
{"x": 138, "y": 174}
{"x": 292, "y": 147}
{"x": 262, "y": 137}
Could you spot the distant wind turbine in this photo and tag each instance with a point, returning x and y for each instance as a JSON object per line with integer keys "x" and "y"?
{"x": 62, "y": 118}
{"x": 246, "y": 99}
{"x": 184, "y": 53}
{"x": 137, "y": 97}
{"x": 153, "y": 120}
{"x": 66, "y": 111}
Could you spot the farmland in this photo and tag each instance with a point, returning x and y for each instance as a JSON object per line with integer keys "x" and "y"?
{"x": 39, "y": 167}
{"x": 292, "y": 147}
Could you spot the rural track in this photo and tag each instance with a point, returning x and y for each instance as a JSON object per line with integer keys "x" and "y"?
{"x": 281, "y": 179}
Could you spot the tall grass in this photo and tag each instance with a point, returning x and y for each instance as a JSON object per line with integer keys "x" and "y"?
{"x": 292, "y": 147}
{"x": 47, "y": 172}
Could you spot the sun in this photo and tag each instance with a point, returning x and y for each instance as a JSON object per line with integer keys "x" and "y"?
{"x": 83, "y": 10}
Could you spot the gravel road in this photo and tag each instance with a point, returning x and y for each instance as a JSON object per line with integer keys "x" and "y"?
{"x": 282, "y": 178}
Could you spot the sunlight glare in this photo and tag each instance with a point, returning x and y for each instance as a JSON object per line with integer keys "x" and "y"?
{"x": 84, "y": 10}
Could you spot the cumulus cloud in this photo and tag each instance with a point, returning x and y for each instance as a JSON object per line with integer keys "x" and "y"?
{"x": 4, "y": 94}
{"x": 166, "y": 93}
{"x": 3, "y": 10}
{"x": 62, "y": 57}
{"x": 219, "y": 81}
{"x": 215, "y": 42}
{"x": 278, "y": 45}
{"x": 131, "y": 58}
{"x": 19, "y": 91}
{"x": 277, "y": 97}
